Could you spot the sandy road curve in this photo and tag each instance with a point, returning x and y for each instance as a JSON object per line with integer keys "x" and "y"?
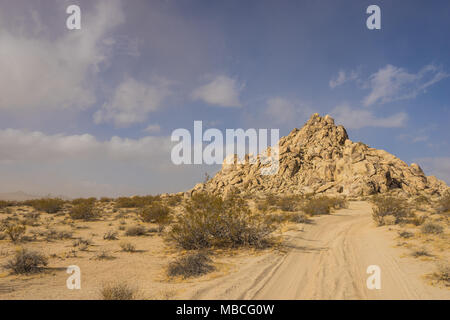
{"x": 328, "y": 259}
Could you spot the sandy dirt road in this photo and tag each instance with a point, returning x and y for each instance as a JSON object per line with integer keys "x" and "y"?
{"x": 328, "y": 259}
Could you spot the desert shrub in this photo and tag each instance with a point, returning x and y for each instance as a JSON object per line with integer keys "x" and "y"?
{"x": 299, "y": 218}
{"x": 80, "y": 242}
{"x": 210, "y": 221}
{"x": 389, "y": 220}
{"x": 31, "y": 219}
{"x": 405, "y": 234}
{"x": 78, "y": 201}
{"x": 388, "y": 206}
{"x": 276, "y": 218}
{"x": 5, "y": 204}
{"x": 137, "y": 230}
{"x": 417, "y": 220}
{"x": 128, "y": 247}
{"x": 174, "y": 200}
{"x": 157, "y": 213}
{"x": 337, "y": 202}
{"x": 49, "y": 205}
{"x": 442, "y": 274}
{"x": 432, "y": 228}
{"x": 191, "y": 265}
{"x": 136, "y": 201}
{"x": 13, "y": 231}
{"x": 110, "y": 235}
{"x": 118, "y": 291}
{"x": 53, "y": 234}
{"x": 83, "y": 211}
{"x": 288, "y": 203}
{"x": 316, "y": 206}
{"x": 420, "y": 252}
{"x": 26, "y": 261}
{"x": 103, "y": 255}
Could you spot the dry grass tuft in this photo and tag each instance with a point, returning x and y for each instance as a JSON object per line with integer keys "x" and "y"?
{"x": 118, "y": 291}
{"x": 137, "y": 230}
{"x": 192, "y": 265}
{"x": 128, "y": 247}
{"x": 26, "y": 261}
{"x": 111, "y": 235}
{"x": 432, "y": 228}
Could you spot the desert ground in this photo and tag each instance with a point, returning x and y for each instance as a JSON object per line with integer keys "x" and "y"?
{"x": 317, "y": 256}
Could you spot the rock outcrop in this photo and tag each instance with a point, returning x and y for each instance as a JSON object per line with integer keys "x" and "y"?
{"x": 320, "y": 158}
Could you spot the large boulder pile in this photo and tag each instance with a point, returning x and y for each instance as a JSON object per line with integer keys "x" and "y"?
{"x": 320, "y": 158}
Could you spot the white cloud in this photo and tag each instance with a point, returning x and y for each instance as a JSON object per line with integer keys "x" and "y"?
{"x": 82, "y": 165}
{"x": 40, "y": 72}
{"x": 25, "y": 146}
{"x": 152, "y": 128}
{"x": 133, "y": 101}
{"x": 438, "y": 166}
{"x": 342, "y": 78}
{"x": 359, "y": 118}
{"x": 221, "y": 91}
{"x": 392, "y": 83}
{"x": 287, "y": 112}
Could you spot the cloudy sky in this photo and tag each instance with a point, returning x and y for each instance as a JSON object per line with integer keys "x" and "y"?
{"x": 90, "y": 112}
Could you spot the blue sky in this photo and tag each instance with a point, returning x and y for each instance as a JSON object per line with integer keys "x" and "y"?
{"x": 90, "y": 111}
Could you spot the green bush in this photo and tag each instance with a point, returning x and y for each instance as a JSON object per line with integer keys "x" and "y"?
{"x": 316, "y": 206}
{"x": 388, "y": 206}
{"x": 90, "y": 201}
{"x": 83, "y": 211}
{"x": 136, "y": 201}
{"x": 156, "y": 212}
{"x": 192, "y": 265}
{"x": 210, "y": 221}
{"x": 27, "y": 262}
{"x": 48, "y": 205}
{"x": 174, "y": 200}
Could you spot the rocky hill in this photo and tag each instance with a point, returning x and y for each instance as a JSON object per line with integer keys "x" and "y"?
{"x": 320, "y": 158}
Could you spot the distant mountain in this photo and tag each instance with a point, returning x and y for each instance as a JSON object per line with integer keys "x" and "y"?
{"x": 17, "y": 196}
{"x": 22, "y": 196}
